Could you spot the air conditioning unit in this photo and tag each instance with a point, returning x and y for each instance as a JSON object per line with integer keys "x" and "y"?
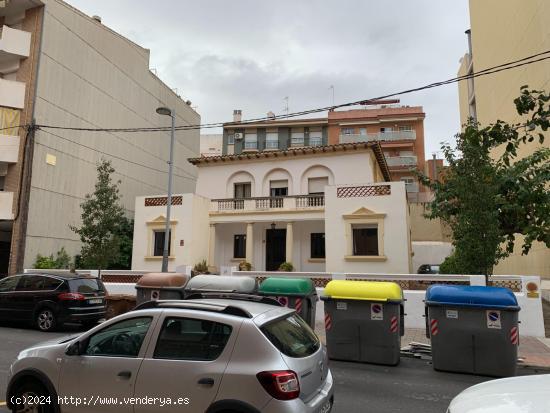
{"x": 238, "y": 136}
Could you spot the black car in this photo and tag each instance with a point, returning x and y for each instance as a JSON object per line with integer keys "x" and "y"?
{"x": 49, "y": 300}
{"x": 428, "y": 269}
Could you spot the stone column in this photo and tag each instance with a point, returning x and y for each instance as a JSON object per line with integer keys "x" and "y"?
{"x": 212, "y": 246}
{"x": 289, "y": 242}
{"x": 250, "y": 242}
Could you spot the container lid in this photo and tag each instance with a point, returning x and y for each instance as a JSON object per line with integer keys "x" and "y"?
{"x": 287, "y": 286}
{"x": 162, "y": 279}
{"x": 225, "y": 283}
{"x": 364, "y": 290}
{"x": 471, "y": 296}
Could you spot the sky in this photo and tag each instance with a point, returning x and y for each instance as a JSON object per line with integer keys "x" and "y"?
{"x": 251, "y": 54}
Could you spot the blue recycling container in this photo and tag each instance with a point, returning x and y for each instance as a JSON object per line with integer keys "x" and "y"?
{"x": 473, "y": 329}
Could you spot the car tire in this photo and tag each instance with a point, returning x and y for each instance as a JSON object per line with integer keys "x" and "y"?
{"x": 45, "y": 319}
{"x": 31, "y": 391}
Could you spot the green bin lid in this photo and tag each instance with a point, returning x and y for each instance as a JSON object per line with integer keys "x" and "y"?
{"x": 287, "y": 286}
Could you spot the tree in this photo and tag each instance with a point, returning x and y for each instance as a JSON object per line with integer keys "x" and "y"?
{"x": 103, "y": 222}
{"x": 125, "y": 233}
{"x": 61, "y": 261}
{"x": 488, "y": 199}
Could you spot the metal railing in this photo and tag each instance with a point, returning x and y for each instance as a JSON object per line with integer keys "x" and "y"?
{"x": 297, "y": 141}
{"x": 315, "y": 141}
{"x": 250, "y": 145}
{"x": 409, "y": 160}
{"x": 315, "y": 201}
{"x": 271, "y": 144}
{"x": 381, "y": 136}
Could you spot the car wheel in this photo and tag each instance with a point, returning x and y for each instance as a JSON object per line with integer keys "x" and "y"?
{"x": 33, "y": 398}
{"x": 46, "y": 319}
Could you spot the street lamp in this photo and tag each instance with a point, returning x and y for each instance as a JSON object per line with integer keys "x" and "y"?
{"x": 168, "y": 112}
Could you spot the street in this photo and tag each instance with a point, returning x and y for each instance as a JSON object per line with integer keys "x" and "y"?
{"x": 411, "y": 386}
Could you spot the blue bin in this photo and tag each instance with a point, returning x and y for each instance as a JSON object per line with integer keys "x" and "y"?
{"x": 473, "y": 329}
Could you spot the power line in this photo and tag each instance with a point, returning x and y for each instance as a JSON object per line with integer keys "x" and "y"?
{"x": 492, "y": 70}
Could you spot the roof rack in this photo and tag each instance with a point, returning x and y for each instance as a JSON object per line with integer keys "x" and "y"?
{"x": 212, "y": 307}
{"x": 234, "y": 296}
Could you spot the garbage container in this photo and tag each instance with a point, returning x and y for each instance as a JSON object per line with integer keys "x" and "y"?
{"x": 363, "y": 321}
{"x": 221, "y": 283}
{"x": 473, "y": 329}
{"x": 297, "y": 293}
{"x": 160, "y": 286}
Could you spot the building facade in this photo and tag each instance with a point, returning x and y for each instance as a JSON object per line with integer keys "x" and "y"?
{"x": 211, "y": 144}
{"x": 522, "y": 30}
{"x": 329, "y": 208}
{"x": 399, "y": 129}
{"x": 59, "y": 67}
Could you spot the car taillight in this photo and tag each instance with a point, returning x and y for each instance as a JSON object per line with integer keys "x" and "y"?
{"x": 282, "y": 385}
{"x": 71, "y": 297}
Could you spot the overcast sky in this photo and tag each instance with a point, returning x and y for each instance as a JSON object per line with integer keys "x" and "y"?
{"x": 250, "y": 54}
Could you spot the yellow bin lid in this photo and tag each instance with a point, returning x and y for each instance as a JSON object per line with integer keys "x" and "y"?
{"x": 364, "y": 290}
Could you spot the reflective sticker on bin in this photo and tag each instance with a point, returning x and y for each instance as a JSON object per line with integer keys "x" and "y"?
{"x": 298, "y": 305}
{"x": 393, "y": 324}
{"x": 451, "y": 314}
{"x": 341, "y": 305}
{"x": 328, "y": 322}
{"x": 155, "y": 295}
{"x": 514, "y": 336}
{"x": 283, "y": 301}
{"x": 493, "y": 319}
{"x": 376, "y": 311}
{"x": 434, "y": 327}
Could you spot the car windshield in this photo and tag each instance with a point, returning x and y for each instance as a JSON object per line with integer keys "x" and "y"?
{"x": 292, "y": 336}
{"x": 85, "y": 285}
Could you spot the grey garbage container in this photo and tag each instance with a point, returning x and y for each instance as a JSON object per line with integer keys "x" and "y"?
{"x": 297, "y": 293}
{"x": 473, "y": 329}
{"x": 363, "y": 321}
{"x": 205, "y": 283}
{"x": 160, "y": 286}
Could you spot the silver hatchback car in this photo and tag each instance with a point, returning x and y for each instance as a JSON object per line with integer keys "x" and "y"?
{"x": 214, "y": 355}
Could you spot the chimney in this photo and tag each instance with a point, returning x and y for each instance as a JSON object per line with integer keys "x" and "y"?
{"x": 237, "y": 115}
{"x": 97, "y": 18}
{"x": 270, "y": 115}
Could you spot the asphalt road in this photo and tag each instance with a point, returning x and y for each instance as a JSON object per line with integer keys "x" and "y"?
{"x": 413, "y": 386}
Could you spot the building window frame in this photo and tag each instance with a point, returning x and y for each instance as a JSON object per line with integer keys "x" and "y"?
{"x": 364, "y": 218}
{"x": 159, "y": 225}
{"x": 317, "y": 245}
{"x": 239, "y": 246}
{"x": 347, "y": 131}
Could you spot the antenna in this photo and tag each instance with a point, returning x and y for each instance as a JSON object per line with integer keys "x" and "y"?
{"x": 332, "y": 88}
{"x": 286, "y": 105}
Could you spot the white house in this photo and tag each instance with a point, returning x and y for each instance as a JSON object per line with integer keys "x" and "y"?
{"x": 329, "y": 208}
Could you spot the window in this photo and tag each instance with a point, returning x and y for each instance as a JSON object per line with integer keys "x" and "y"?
{"x": 318, "y": 245}
{"x": 231, "y": 139}
{"x": 250, "y": 140}
{"x": 365, "y": 240}
{"x": 297, "y": 137}
{"x": 317, "y": 185}
{"x": 278, "y": 188}
{"x": 9, "y": 284}
{"x": 239, "y": 246}
{"x": 122, "y": 339}
{"x": 347, "y": 131}
{"x": 86, "y": 285}
{"x": 362, "y": 131}
{"x": 30, "y": 283}
{"x": 386, "y": 130}
{"x": 158, "y": 248}
{"x": 405, "y": 128}
{"x": 191, "y": 339}
{"x": 51, "y": 283}
{"x": 242, "y": 190}
{"x": 315, "y": 137}
{"x": 272, "y": 140}
{"x": 292, "y": 337}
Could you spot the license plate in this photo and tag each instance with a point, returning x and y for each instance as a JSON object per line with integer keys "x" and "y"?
{"x": 325, "y": 408}
{"x": 95, "y": 301}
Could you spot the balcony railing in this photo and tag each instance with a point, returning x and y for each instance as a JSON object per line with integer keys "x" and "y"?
{"x": 297, "y": 141}
{"x": 315, "y": 141}
{"x": 382, "y": 136}
{"x": 400, "y": 161}
{"x": 268, "y": 203}
{"x": 250, "y": 145}
{"x": 9, "y": 148}
{"x": 269, "y": 144}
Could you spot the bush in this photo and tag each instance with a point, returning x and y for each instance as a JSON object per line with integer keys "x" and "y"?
{"x": 245, "y": 266}
{"x": 286, "y": 266}
{"x": 62, "y": 261}
{"x": 201, "y": 267}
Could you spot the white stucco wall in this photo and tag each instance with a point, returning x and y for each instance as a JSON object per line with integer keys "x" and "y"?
{"x": 216, "y": 180}
{"x": 395, "y": 232}
{"x": 189, "y": 224}
{"x": 430, "y": 252}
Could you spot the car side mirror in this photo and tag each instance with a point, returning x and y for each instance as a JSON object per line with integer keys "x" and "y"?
{"x": 75, "y": 349}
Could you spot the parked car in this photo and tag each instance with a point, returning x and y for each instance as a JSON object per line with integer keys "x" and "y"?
{"x": 49, "y": 300}
{"x": 428, "y": 269}
{"x": 209, "y": 354}
{"x": 525, "y": 394}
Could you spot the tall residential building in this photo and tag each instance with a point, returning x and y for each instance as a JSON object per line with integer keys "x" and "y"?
{"x": 501, "y": 32}
{"x": 59, "y": 67}
{"x": 399, "y": 129}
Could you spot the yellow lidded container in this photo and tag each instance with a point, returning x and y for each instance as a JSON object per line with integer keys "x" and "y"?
{"x": 363, "y": 290}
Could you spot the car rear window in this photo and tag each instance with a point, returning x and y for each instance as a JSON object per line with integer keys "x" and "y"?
{"x": 292, "y": 336}
{"x": 85, "y": 285}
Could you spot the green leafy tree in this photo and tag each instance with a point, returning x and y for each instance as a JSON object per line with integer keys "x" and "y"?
{"x": 103, "y": 222}
{"x": 125, "y": 233}
{"x": 488, "y": 199}
{"x": 61, "y": 261}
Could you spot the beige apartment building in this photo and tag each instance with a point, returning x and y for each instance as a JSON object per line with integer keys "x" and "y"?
{"x": 61, "y": 67}
{"x": 504, "y": 31}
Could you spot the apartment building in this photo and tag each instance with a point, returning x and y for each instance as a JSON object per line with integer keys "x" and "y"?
{"x": 211, "y": 144}
{"x": 399, "y": 129}
{"x": 501, "y": 32}
{"x": 60, "y": 67}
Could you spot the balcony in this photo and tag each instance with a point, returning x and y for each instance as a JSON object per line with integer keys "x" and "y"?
{"x": 9, "y": 148}
{"x": 306, "y": 142}
{"x": 248, "y": 205}
{"x": 401, "y": 161}
{"x": 271, "y": 144}
{"x": 14, "y": 46}
{"x": 12, "y": 94}
{"x": 250, "y": 146}
{"x": 382, "y": 136}
{"x": 6, "y": 206}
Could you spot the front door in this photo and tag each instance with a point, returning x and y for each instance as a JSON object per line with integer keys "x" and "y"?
{"x": 275, "y": 248}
